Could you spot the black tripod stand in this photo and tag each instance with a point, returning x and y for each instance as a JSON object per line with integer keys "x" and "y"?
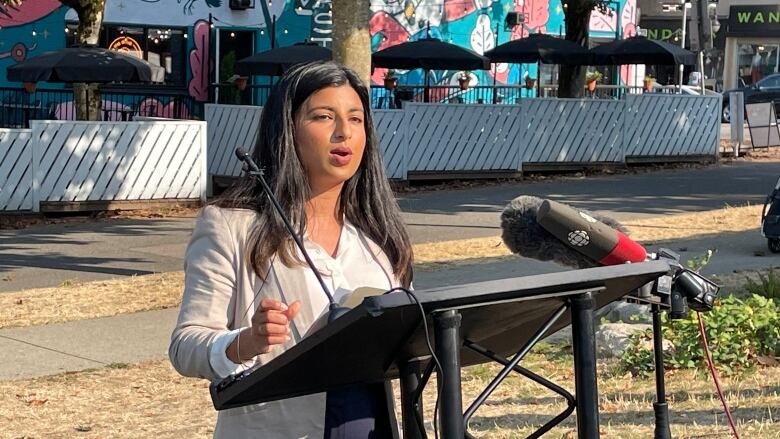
{"x": 678, "y": 290}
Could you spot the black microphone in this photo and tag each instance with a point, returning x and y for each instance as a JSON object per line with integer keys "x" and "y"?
{"x": 334, "y": 310}
{"x": 525, "y": 235}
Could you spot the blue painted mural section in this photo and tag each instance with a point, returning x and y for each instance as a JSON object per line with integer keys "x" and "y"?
{"x": 30, "y": 39}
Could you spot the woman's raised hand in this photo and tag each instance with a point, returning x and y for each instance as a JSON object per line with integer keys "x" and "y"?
{"x": 270, "y": 326}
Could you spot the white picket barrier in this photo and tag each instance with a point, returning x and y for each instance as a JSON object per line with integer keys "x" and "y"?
{"x": 230, "y": 127}
{"x": 72, "y": 161}
{"x": 16, "y": 170}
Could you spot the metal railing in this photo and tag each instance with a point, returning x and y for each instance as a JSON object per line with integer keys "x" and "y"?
{"x": 602, "y": 91}
{"x": 229, "y": 94}
{"x": 18, "y": 107}
{"x": 382, "y": 98}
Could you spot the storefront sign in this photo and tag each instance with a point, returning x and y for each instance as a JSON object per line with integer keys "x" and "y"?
{"x": 754, "y": 21}
{"x": 128, "y": 45}
{"x": 664, "y": 30}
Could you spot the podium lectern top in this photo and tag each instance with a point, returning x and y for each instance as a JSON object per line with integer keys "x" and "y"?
{"x": 369, "y": 342}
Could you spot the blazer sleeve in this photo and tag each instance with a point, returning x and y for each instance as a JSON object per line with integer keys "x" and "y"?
{"x": 210, "y": 279}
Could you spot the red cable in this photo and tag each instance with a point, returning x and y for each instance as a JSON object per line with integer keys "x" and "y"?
{"x": 714, "y": 374}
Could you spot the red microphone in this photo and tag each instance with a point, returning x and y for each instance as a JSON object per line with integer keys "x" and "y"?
{"x": 588, "y": 235}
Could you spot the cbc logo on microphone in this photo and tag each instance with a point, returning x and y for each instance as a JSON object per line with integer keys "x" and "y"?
{"x": 579, "y": 238}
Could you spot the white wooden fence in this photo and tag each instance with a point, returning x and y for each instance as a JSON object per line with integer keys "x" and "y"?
{"x": 15, "y": 170}
{"x": 108, "y": 161}
{"x": 145, "y": 160}
{"x": 390, "y": 126}
{"x": 230, "y": 127}
{"x": 557, "y": 131}
{"x": 457, "y": 137}
{"x": 453, "y": 138}
{"x": 666, "y": 125}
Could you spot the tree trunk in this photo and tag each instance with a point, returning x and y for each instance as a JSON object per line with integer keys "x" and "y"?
{"x": 351, "y": 38}
{"x": 577, "y": 18}
{"x": 86, "y": 97}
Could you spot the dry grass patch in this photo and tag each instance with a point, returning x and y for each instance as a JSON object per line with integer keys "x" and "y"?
{"x": 690, "y": 225}
{"x": 119, "y": 401}
{"x": 519, "y": 406}
{"x": 86, "y": 300}
{"x": 152, "y": 400}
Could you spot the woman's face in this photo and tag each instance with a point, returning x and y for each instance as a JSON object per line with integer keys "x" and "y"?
{"x": 330, "y": 136}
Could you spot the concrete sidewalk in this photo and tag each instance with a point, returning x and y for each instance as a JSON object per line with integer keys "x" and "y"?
{"x": 130, "y": 338}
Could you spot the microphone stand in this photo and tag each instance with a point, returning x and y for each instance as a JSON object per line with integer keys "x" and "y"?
{"x": 334, "y": 310}
{"x": 675, "y": 290}
{"x": 656, "y": 294}
{"x": 660, "y": 407}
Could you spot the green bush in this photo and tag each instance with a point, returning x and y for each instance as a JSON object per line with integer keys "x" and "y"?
{"x": 767, "y": 286}
{"x": 738, "y": 331}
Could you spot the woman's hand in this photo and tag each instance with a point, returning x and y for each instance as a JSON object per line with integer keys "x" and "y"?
{"x": 270, "y": 326}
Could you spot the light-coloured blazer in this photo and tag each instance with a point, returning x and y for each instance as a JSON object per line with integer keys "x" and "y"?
{"x": 220, "y": 287}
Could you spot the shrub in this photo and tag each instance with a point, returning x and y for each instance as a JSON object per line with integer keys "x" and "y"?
{"x": 767, "y": 286}
{"x": 739, "y": 332}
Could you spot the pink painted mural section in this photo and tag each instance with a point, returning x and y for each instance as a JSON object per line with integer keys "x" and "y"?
{"x": 151, "y": 107}
{"x": 199, "y": 62}
{"x": 537, "y": 15}
{"x": 392, "y": 33}
{"x": 116, "y": 111}
{"x": 27, "y": 12}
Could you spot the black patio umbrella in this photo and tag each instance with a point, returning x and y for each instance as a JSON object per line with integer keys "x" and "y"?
{"x": 81, "y": 64}
{"x": 640, "y": 50}
{"x": 275, "y": 62}
{"x": 429, "y": 54}
{"x": 539, "y": 48}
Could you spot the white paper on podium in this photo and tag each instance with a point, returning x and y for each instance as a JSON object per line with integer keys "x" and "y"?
{"x": 347, "y": 301}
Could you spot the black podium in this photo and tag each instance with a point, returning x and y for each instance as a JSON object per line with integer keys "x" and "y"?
{"x": 383, "y": 339}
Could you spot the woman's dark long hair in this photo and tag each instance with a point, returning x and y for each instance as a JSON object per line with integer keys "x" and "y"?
{"x": 366, "y": 199}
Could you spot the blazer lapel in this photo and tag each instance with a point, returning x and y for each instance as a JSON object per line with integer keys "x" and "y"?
{"x": 292, "y": 286}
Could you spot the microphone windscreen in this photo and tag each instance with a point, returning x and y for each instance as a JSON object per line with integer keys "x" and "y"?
{"x": 523, "y": 235}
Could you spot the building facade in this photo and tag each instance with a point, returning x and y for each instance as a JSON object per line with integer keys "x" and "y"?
{"x": 752, "y": 38}
{"x": 198, "y": 41}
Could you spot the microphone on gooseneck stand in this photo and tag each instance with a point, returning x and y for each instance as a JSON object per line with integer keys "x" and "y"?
{"x": 334, "y": 310}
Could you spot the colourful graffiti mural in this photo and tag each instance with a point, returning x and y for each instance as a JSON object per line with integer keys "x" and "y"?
{"x": 475, "y": 24}
{"x": 479, "y": 26}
